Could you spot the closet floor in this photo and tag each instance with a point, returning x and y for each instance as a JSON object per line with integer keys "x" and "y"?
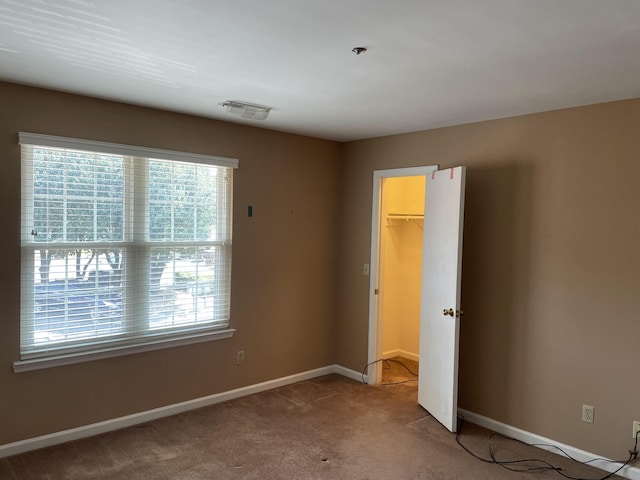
{"x": 399, "y": 370}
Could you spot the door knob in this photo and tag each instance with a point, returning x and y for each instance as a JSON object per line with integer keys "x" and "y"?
{"x": 459, "y": 313}
{"x": 448, "y": 311}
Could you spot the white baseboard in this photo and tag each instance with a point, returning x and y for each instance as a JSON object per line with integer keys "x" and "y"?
{"x": 632, "y": 473}
{"x": 149, "y": 415}
{"x": 352, "y": 374}
{"x": 401, "y": 353}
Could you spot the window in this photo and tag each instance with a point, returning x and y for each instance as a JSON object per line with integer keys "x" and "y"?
{"x": 122, "y": 247}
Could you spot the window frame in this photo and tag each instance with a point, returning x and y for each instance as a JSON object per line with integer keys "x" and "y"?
{"x": 100, "y": 347}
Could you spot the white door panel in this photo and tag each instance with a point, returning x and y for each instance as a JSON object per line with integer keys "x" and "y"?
{"x": 441, "y": 275}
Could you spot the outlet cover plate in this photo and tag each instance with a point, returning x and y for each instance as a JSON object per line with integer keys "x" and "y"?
{"x": 636, "y": 428}
{"x": 587, "y": 413}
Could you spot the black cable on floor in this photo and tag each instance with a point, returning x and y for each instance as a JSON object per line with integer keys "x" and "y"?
{"x": 411, "y": 380}
{"x": 388, "y": 361}
{"x": 519, "y": 464}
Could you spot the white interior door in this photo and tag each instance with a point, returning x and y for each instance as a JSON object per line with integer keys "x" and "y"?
{"x": 440, "y": 297}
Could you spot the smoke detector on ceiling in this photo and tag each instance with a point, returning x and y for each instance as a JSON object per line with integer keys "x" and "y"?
{"x": 246, "y": 110}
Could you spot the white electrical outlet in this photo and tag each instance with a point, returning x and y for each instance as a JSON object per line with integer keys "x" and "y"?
{"x": 636, "y": 428}
{"x": 587, "y": 413}
{"x": 239, "y": 357}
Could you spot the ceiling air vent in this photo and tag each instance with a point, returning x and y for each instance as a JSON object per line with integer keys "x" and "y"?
{"x": 246, "y": 110}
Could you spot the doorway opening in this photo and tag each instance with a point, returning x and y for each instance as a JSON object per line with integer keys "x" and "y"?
{"x": 396, "y": 272}
{"x": 400, "y": 261}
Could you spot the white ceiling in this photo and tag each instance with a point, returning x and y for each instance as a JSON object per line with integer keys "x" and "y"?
{"x": 429, "y": 63}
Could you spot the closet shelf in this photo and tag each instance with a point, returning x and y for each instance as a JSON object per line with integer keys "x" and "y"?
{"x": 396, "y": 218}
{"x": 405, "y": 216}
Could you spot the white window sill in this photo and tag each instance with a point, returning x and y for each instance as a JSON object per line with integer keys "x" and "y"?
{"x": 20, "y": 366}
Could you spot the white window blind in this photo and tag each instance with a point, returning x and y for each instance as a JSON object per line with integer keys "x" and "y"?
{"x": 121, "y": 245}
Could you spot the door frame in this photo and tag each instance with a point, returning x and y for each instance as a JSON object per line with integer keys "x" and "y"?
{"x": 374, "y": 372}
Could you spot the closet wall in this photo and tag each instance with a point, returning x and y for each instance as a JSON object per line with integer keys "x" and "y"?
{"x": 401, "y": 265}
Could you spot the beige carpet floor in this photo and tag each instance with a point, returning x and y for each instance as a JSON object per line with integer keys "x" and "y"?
{"x": 327, "y": 428}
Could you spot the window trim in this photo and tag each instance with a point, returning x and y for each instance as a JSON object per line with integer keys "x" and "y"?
{"x": 26, "y": 138}
{"x": 140, "y": 344}
{"x": 38, "y": 363}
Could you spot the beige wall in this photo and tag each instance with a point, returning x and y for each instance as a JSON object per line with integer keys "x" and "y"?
{"x": 284, "y": 265}
{"x": 551, "y": 266}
